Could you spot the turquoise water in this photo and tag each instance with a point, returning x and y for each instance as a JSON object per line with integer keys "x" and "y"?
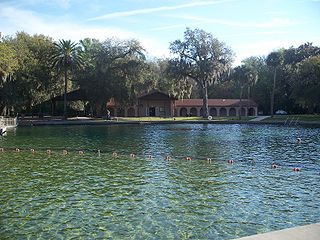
{"x": 89, "y": 196}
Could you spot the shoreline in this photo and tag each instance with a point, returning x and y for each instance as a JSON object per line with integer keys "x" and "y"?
{"x": 37, "y": 122}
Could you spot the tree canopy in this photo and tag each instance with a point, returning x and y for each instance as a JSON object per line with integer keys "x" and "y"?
{"x": 200, "y": 66}
{"x": 202, "y": 58}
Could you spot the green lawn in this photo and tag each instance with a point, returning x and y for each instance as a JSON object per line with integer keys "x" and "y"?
{"x": 281, "y": 118}
{"x": 153, "y": 119}
{"x": 293, "y": 118}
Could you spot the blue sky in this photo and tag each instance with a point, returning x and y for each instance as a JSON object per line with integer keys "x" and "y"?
{"x": 248, "y": 27}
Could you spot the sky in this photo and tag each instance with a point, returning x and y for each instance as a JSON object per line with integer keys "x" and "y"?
{"x": 248, "y": 27}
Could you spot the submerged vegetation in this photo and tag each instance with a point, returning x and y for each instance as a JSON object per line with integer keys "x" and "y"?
{"x": 35, "y": 69}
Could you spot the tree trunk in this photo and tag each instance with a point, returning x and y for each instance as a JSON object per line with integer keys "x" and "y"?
{"x": 65, "y": 94}
{"x": 240, "y": 104}
{"x": 205, "y": 99}
{"x": 272, "y": 93}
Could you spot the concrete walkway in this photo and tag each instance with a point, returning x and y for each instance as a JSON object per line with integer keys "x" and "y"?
{"x": 307, "y": 232}
{"x": 259, "y": 118}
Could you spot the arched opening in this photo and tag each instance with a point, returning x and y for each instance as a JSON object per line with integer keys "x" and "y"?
{"x": 193, "y": 112}
{"x": 183, "y": 112}
{"x": 131, "y": 112}
{"x": 213, "y": 111}
{"x": 252, "y": 112}
{"x": 243, "y": 111}
{"x": 223, "y": 112}
{"x": 232, "y": 112}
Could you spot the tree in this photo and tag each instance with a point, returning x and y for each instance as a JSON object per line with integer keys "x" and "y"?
{"x": 241, "y": 75}
{"x": 273, "y": 60}
{"x": 306, "y": 88}
{"x": 8, "y": 61}
{"x": 114, "y": 71}
{"x": 31, "y": 80}
{"x": 202, "y": 58}
{"x": 252, "y": 65}
{"x": 8, "y": 64}
{"x": 66, "y": 57}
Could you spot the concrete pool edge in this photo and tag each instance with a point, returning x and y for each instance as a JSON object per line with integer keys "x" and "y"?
{"x": 114, "y": 122}
{"x": 306, "y": 232}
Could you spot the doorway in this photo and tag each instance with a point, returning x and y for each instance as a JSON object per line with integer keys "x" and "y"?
{"x": 152, "y": 112}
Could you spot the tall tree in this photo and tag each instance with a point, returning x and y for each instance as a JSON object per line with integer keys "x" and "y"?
{"x": 31, "y": 81}
{"x": 202, "y": 58}
{"x": 66, "y": 57}
{"x": 241, "y": 75}
{"x": 273, "y": 60}
{"x": 114, "y": 72}
{"x": 251, "y": 65}
{"x": 8, "y": 61}
{"x": 306, "y": 87}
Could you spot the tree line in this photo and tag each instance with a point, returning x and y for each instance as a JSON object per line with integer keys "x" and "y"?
{"x": 34, "y": 69}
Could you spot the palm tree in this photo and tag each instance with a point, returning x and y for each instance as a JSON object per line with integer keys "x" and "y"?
{"x": 252, "y": 72}
{"x": 66, "y": 58}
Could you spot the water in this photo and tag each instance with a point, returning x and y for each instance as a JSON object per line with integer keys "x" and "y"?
{"x": 101, "y": 197}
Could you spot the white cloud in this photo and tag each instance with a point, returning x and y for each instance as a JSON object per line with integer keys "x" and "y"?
{"x": 263, "y": 48}
{"x": 273, "y": 23}
{"x": 22, "y": 20}
{"x": 157, "y": 9}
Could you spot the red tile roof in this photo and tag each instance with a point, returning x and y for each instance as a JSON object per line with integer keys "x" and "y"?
{"x": 215, "y": 103}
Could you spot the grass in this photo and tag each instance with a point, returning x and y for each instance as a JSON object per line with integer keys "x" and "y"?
{"x": 157, "y": 119}
{"x": 295, "y": 117}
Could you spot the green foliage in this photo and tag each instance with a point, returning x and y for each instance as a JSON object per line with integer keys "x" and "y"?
{"x": 30, "y": 81}
{"x": 114, "y": 70}
{"x": 8, "y": 60}
{"x": 306, "y": 89}
{"x": 34, "y": 69}
{"x": 202, "y": 58}
{"x": 65, "y": 59}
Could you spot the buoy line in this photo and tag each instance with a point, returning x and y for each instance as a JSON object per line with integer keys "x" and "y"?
{"x": 131, "y": 155}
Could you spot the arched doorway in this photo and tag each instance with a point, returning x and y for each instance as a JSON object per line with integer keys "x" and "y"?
{"x": 213, "y": 111}
{"x": 223, "y": 112}
{"x": 193, "y": 112}
{"x": 243, "y": 111}
{"x": 252, "y": 112}
{"x": 232, "y": 112}
{"x": 183, "y": 112}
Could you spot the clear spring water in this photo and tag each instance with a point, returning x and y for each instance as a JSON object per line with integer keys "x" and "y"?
{"x": 101, "y": 197}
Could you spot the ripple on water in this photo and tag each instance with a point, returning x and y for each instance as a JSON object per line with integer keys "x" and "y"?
{"x": 90, "y": 196}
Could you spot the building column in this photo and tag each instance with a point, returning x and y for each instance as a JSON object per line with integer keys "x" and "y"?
{"x": 228, "y": 111}
{"x": 238, "y": 111}
{"x": 198, "y": 110}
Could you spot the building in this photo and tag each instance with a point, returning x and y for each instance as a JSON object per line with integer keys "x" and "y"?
{"x": 153, "y": 104}
{"x": 158, "y": 104}
{"x": 217, "y": 107}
